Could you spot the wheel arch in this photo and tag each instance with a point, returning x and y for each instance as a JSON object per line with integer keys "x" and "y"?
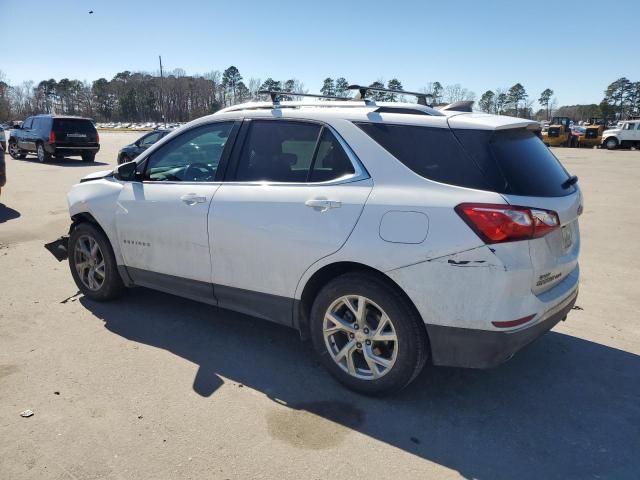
{"x": 325, "y": 274}
{"x": 87, "y": 217}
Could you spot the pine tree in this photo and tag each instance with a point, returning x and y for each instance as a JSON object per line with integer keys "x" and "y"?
{"x": 545, "y": 99}
{"x": 342, "y": 87}
{"x": 487, "y": 101}
{"x": 393, "y": 84}
{"x": 328, "y": 87}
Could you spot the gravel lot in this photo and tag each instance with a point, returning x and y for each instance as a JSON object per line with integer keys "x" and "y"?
{"x": 154, "y": 386}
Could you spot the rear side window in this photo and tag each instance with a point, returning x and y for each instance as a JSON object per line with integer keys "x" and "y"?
{"x": 73, "y": 125}
{"x": 516, "y": 162}
{"x": 433, "y": 153}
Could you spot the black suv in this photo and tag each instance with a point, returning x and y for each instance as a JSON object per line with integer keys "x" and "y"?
{"x": 54, "y": 135}
{"x": 129, "y": 152}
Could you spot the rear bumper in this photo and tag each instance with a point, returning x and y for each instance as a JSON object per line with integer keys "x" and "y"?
{"x": 72, "y": 150}
{"x": 466, "y": 347}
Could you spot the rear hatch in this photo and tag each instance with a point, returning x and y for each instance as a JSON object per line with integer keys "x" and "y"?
{"x": 525, "y": 172}
{"x": 75, "y": 132}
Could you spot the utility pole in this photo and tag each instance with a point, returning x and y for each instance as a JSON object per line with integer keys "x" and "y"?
{"x": 162, "y": 112}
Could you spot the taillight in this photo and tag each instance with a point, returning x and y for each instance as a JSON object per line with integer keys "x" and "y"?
{"x": 97, "y": 137}
{"x": 52, "y": 137}
{"x": 507, "y": 223}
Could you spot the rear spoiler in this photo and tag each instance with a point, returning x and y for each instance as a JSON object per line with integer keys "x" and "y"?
{"x": 462, "y": 106}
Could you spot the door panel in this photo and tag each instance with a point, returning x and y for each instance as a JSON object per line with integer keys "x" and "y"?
{"x": 162, "y": 228}
{"x": 263, "y": 237}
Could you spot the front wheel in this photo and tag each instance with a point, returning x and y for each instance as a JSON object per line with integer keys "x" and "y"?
{"x": 367, "y": 334}
{"x": 15, "y": 152}
{"x": 93, "y": 264}
{"x": 611, "y": 143}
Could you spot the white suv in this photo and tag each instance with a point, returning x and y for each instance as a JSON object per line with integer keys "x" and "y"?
{"x": 388, "y": 233}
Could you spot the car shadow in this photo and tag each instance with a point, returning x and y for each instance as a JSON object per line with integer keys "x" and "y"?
{"x": 563, "y": 408}
{"x": 63, "y": 162}
{"x": 7, "y": 213}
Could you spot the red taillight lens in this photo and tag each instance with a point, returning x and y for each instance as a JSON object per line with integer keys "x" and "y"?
{"x": 507, "y": 223}
{"x": 52, "y": 137}
{"x": 97, "y": 137}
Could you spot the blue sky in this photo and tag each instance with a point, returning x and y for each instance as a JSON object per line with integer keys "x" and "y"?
{"x": 571, "y": 47}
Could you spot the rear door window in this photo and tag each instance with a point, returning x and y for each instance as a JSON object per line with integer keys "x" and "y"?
{"x": 277, "y": 151}
{"x": 291, "y": 152}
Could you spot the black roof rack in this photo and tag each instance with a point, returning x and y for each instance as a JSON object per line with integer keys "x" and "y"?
{"x": 276, "y": 95}
{"x": 362, "y": 92}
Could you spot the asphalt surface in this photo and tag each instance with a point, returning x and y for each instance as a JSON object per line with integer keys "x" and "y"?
{"x": 155, "y": 386}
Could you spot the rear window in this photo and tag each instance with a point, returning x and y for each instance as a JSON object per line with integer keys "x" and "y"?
{"x": 73, "y": 125}
{"x": 516, "y": 162}
{"x": 433, "y": 153}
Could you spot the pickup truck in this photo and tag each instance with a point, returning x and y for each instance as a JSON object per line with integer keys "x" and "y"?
{"x": 626, "y": 135}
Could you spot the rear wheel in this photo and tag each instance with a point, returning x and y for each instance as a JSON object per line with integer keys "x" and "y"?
{"x": 611, "y": 143}
{"x": 43, "y": 155}
{"x": 367, "y": 334}
{"x": 93, "y": 264}
{"x": 88, "y": 157}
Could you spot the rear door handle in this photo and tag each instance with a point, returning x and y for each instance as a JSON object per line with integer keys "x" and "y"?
{"x": 192, "y": 199}
{"x": 322, "y": 204}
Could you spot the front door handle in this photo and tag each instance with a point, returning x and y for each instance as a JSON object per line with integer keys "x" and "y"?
{"x": 322, "y": 204}
{"x": 192, "y": 199}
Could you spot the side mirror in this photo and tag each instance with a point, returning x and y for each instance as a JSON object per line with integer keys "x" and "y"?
{"x": 127, "y": 172}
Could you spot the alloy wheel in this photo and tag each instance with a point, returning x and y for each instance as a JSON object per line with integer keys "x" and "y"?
{"x": 360, "y": 337}
{"x": 13, "y": 149}
{"x": 40, "y": 153}
{"x": 89, "y": 262}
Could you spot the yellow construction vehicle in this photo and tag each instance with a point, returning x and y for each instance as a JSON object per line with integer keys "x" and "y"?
{"x": 558, "y": 133}
{"x": 593, "y": 133}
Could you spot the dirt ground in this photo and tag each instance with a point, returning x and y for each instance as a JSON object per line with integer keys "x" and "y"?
{"x": 154, "y": 386}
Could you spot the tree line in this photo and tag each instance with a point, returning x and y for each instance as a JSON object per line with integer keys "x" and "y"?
{"x": 621, "y": 100}
{"x": 176, "y": 96}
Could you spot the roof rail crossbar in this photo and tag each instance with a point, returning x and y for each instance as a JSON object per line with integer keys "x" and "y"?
{"x": 277, "y": 94}
{"x": 362, "y": 92}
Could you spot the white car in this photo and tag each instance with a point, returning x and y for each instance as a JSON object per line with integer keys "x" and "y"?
{"x": 625, "y": 135}
{"x": 390, "y": 233}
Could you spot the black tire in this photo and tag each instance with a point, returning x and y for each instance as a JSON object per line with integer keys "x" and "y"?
{"x": 42, "y": 154}
{"x": 412, "y": 342}
{"x": 112, "y": 285}
{"x": 611, "y": 143}
{"x": 88, "y": 157}
{"x": 15, "y": 152}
